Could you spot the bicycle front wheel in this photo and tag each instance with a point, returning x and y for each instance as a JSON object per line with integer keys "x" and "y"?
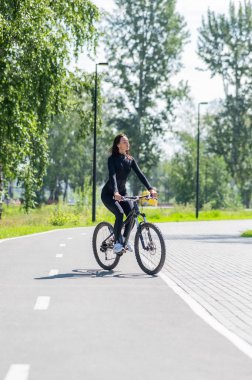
{"x": 103, "y": 244}
{"x": 150, "y": 248}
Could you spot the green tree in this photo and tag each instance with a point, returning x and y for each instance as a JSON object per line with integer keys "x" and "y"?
{"x": 36, "y": 41}
{"x": 233, "y": 142}
{"x": 182, "y": 177}
{"x": 161, "y": 178}
{"x": 225, "y": 47}
{"x": 144, "y": 41}
{"x": 68, "y": 159}
{"x": 70, "y": 148}
{"x": 215, "y": 188}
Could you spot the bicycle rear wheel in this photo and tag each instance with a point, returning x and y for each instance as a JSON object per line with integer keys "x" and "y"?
{"x": 150, "y": 248}
{"x": 103, "y": 244}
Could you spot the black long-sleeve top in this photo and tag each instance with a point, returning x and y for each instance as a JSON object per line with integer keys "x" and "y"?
{"x": 119, "y": 167}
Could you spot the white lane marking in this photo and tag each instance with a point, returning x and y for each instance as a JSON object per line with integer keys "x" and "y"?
{"x": 42, "y": 303}
{"x": 53, "y": 272}
{"x": 37, "y": 234}
{"x": 59, "y": 255}
{"x": 62, "y": 245}
{"x": 18, "y": 372}
{"x": 69, "y": 238}
{"x": 238, "y": 342}
{"x": 83, "y": 233}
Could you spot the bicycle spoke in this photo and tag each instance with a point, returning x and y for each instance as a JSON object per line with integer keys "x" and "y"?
{"x": 150, "y": 248}
{"x": 103, "y": 244}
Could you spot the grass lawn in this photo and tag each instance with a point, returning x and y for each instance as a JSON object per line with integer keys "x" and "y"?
{"x": 247, "y": 234}
{"x": 15, "y": 222}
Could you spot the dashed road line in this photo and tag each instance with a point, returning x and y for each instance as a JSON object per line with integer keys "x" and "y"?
{"x": 199, "y": 310}
{"x": 59, "y": 255}
{"x": 37, "y": 234}
{"x": 62, "y": 245}
{"x": 69, "y": 238}
{"x": 18, "y": 372}
{"x": 53, "y": 272}
{"x": 42, "y": 303}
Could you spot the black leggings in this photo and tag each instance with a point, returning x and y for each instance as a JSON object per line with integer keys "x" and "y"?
{"x": 118, "y": 209}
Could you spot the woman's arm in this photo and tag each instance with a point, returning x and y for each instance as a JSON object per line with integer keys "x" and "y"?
{"x": 140, "y": 175}
{"x": 112, "y": 174}
{"x": 143, "y": 179}
{"x": 112, "y": 178}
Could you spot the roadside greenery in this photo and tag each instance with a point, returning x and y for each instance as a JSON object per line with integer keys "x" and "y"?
{"x": 37, "y": 39}
{"x": 247, "y": 234}
{"x": 144, "y": 41}
{"x": 69, "y": 149}
{"x": 176, "y": 178}
{"x": 224, "y": 44}
{"x": 18, "y": 223}
{"x": 46, "y": 111}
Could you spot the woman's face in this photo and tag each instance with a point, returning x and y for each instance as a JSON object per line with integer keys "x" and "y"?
{"x": 123, "y": 145}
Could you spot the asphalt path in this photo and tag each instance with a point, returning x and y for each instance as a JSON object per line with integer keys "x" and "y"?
{"x": 64, "y": 318}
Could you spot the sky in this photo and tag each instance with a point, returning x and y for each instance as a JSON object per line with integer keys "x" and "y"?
{"x": 203, "y": 87}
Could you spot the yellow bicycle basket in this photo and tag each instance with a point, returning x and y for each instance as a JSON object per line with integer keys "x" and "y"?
{"x": 148, "y": 202}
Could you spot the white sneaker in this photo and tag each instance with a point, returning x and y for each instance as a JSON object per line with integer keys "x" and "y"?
{"x": 118, "y": 249}
{"x": 129, "y": 247}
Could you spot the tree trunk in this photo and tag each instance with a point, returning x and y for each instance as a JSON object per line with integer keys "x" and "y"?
{"x": 51, "y": 197}
{"x": 246, "y": 198}
{"x": 65, "y": 191}
{"x": 1, "y": 190}
{"x": 10, "y": 190}
{"x": 57, "y": 192}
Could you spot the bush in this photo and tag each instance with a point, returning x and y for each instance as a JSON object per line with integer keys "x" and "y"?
{"x": 61, "y": 218}
{"x": 58, "y": 218}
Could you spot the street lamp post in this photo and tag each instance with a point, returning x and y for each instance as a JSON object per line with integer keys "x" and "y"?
{"x": 94, "y": 147}
{"x": 198, "y": 162}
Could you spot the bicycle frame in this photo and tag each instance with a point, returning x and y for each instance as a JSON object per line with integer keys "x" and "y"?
{"x": 132, "y": 218}
{"x": 149, "y": 245}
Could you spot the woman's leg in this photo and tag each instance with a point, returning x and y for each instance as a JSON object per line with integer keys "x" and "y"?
{"x": 127, "y": 207}
{"x": 117, "y": 210}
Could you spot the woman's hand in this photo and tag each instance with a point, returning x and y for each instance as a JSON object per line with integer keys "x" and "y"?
{"x": 153, "y": 193}
{"x": 117, "y": 197}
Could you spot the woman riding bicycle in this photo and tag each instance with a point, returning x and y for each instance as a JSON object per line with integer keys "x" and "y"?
{"x": 120, "y": 164}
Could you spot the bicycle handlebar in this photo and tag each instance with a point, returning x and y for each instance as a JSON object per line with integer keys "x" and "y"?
{"x": 135, "y": 198}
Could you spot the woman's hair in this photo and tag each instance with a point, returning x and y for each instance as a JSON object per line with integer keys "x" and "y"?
{"x": 114, "y": 149}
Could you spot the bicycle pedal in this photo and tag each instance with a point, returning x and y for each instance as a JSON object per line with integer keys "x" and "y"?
{"x": 121, "y": 252}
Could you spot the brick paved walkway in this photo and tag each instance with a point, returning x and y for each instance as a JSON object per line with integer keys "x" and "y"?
{"x": 213, "y": 265}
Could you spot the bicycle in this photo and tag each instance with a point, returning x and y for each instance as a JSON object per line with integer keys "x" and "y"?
{"x": 149, "y": 243}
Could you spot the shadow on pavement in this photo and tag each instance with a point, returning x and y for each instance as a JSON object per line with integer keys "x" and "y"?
{"x": 94, "y": 273}
{"x": 210, "y": 238}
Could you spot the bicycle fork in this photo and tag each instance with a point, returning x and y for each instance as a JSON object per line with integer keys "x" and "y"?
{"x": 141, "y": 236}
